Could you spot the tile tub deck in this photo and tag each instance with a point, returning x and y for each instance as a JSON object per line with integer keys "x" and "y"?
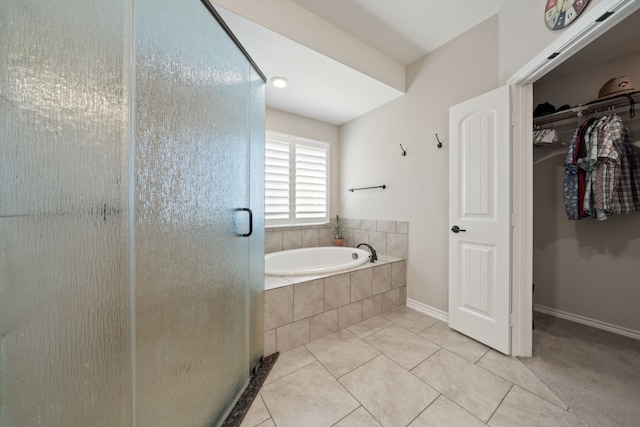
{"x": 299, "y": 309}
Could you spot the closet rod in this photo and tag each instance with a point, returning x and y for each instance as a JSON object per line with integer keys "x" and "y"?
{"x": 584, "y": 110}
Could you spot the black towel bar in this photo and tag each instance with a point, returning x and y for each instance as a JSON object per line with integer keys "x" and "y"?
{"x": 367, "y": 188}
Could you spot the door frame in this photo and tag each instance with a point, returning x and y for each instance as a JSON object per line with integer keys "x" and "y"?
{"x": 578, "y": 35}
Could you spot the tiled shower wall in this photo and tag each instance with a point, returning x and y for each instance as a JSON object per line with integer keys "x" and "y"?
{"x": 386, "y": 237}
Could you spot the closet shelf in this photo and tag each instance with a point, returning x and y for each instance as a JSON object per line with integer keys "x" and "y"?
{"x": 614, "y": 105}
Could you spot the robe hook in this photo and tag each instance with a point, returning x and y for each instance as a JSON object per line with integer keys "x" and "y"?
{"x": 439, "y": 142}
{"x": 404, "y": 152}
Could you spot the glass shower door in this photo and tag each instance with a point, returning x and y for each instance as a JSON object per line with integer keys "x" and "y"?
{"x": 192, "y": 136}
{"x": 127, "y": 135}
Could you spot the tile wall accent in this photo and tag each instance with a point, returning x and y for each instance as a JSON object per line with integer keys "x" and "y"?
{"x": 305, "y": 311}
{"x": 386, "y": 237}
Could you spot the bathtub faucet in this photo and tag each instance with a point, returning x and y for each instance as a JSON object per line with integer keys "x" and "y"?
{"x": 374, "y": 255}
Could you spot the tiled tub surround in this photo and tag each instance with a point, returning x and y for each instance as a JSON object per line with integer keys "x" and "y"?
{"x": 302, "y": 309}
{"x": 386, "y": 237}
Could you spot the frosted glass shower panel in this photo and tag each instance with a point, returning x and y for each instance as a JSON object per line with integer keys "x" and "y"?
{"x": 192, "y": 98}
{"x": 64, "y": 285}
{"x": 256, "y": 264}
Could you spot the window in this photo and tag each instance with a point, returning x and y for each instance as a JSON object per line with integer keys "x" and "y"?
{"x": 296, "y": 180}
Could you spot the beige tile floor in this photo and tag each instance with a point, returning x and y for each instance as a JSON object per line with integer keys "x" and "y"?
{"x": 403, "y": 368}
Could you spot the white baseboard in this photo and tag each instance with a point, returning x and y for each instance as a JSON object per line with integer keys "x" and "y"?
{"x": 620, "y": 330}
{"x": 428, "y": 310}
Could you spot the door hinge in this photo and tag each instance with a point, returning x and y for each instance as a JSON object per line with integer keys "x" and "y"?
{"x": 514, "y": 220}
{"x": 511, "y": 319}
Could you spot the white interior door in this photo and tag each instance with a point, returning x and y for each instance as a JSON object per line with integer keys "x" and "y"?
{"x": 479, "y": 218}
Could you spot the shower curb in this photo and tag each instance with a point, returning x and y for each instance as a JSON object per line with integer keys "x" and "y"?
{"x": 249, "y": 394}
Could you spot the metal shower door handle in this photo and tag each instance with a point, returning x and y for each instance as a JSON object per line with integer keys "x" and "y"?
{"x": 250, "y": 221}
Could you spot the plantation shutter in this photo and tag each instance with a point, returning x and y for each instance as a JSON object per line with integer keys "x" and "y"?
{"x": 311, "y": 182}
{"x": 277, "y": 180}
{"x": 296, "y": 180}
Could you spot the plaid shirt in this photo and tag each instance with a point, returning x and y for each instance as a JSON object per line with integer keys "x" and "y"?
{"x": 592, "y": 136}
{"x": 617, "y": 183}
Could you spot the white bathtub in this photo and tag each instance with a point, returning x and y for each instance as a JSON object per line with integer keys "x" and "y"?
{"x": 312, "y": 261}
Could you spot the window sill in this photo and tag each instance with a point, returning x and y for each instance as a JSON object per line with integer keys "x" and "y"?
{"x": 294, "y": 226}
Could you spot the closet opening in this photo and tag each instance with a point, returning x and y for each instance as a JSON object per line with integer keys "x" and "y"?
{"x": 586, "y": 226}
{"x": 586, "y": 210}
{"x": 575, "y": 46}
{"x": 582, "y": 270}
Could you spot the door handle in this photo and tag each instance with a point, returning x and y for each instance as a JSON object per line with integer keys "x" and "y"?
{"x": 250, "y": 221}
{"x": 456, "y": 229}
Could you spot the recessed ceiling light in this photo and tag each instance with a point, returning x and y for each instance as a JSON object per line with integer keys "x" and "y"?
{"x": 279, "y": 82}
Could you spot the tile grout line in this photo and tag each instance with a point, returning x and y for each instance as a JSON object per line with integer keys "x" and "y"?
{"x": 501, "y": 401}
{"x": 284, "y": 376}
{"x": 380, "y": 353}
{"x": 449, "y": 398}
{"x": 268, "y": 411}
{"x": 343, "y": 418}
{"x": 428, "y": 406}
{"x": 523, "y": 386}
{"x": 295, "y": 370}
{"x": 347, "y": 390}
{"x": 372, "y": 333}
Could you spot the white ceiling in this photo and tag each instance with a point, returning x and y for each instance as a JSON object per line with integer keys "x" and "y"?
{"x": 404, "y": 30}
{"x": 331, "y": 84}
{"x": 329, "y": 87}
{"x": 319, "y": 87}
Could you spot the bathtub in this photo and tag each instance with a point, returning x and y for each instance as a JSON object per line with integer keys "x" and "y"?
{"x": 312, "y": 261}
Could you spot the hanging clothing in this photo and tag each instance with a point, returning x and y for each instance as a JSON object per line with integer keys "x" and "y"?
{"x": 584, "y": 150}
{"x": 546, "y": 137}
{"x": 571, "y": 187}
{"x": 602, "y": 170}
{"x": 617, "y": 171}
{"x": 588, "y": 163}
{"x": 574, "y": 178}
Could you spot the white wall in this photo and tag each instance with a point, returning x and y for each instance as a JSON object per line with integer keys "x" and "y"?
{"x": 417, "y": 184}
{"x": 587, "y": 268}
{"x": 523, "y": 33}
{"x": 369, "y": 154}
{"x": 478, "y": 61}
{"x": 304, "y": 127}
